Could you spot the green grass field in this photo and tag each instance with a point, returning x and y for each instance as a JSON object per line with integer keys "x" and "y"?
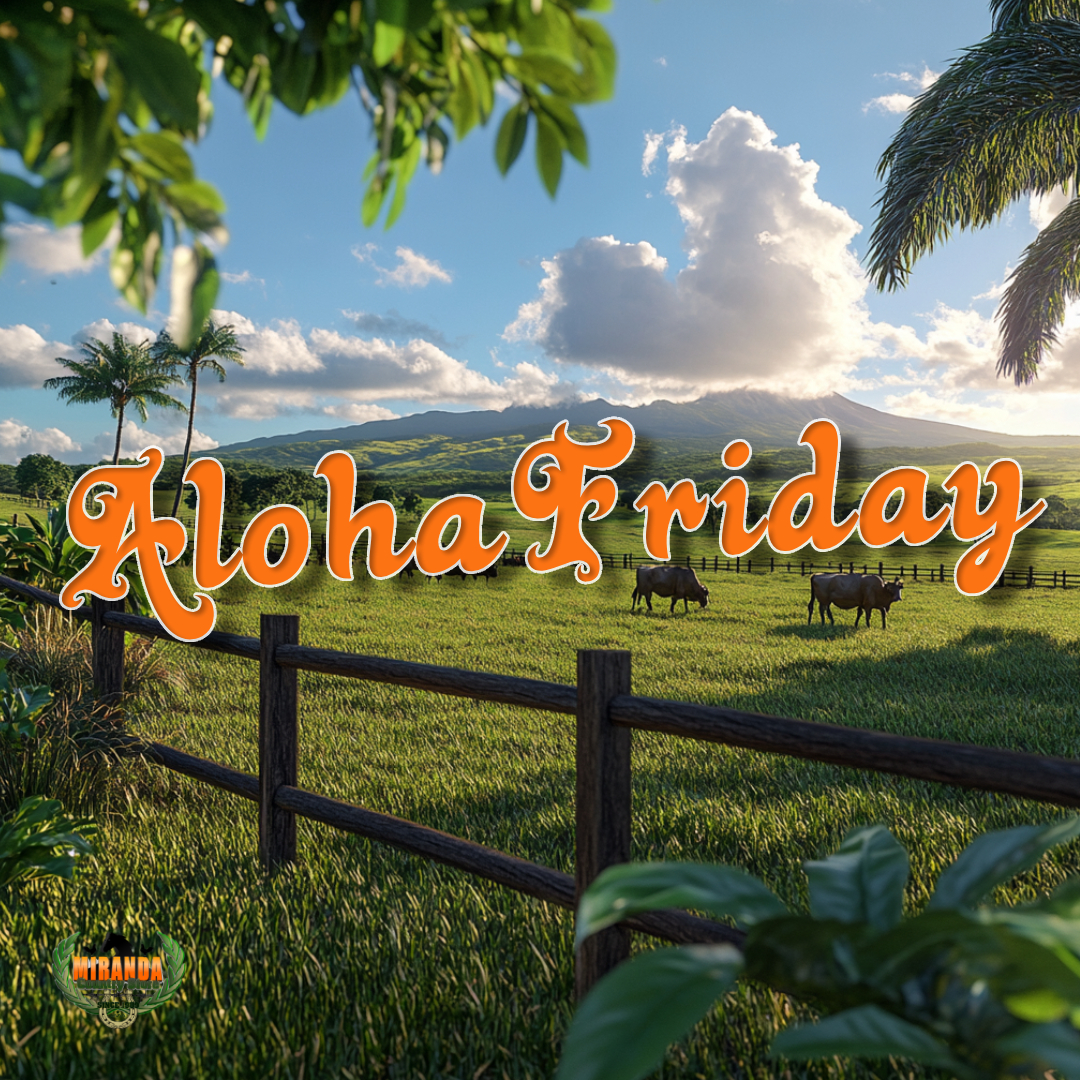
{"x": 365, "y": 962}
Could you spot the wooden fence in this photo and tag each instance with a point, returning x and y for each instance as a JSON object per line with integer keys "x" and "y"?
{"x": 606, "y": 713}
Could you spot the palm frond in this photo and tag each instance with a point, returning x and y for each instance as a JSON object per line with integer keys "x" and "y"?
{"x": 1019, "y": 12}
{"x": 1036, "y": 296}
{"x": 1002, "y": 122}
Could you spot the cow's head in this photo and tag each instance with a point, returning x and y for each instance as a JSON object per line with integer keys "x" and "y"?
{"x": 702, "y": 597}
{"x": 895, "y": 588}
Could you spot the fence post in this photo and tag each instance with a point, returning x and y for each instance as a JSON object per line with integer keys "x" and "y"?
{"x": 107, "y": 650}
{"x": 603, "y": 799}
{"x": 881, "y": 569}
{"x": 278, "y": 743}
{"x": 1031, "y": 577}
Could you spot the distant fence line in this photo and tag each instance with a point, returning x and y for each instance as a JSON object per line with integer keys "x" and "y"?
{"x": 1025, "y": 577}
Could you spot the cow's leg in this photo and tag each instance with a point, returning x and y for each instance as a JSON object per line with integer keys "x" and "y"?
{"x": 810, "y": 611}
{"x": 882, "y": 618}
{"x": 634, "y": 599}
{"x": 648, "y": 600}
{"x": 674, "y": 601}
{"x": 858, "y": 616}
{"x": 828, "y": 609}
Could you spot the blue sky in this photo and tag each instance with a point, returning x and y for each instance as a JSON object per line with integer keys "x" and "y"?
{"x": 714, "y": 242}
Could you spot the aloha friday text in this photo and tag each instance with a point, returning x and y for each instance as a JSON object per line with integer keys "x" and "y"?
{"x": 126, "y": 525}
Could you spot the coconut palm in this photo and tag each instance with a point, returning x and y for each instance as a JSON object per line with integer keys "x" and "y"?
{"x": 1001, "y": 123}
{"x": 123, "y": 374}
{"x": 214, "y": 344}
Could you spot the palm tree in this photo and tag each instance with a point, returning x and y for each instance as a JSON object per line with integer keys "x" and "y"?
{"x": 999, "y": 124}
{"x": 122, "y": 374}
{"x": 215, "y": 343}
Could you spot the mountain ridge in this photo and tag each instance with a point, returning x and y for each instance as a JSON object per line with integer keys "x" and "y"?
{"x": 766, "y": 420}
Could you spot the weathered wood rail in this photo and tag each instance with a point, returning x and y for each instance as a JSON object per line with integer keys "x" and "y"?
{"x": 606, "y": 713}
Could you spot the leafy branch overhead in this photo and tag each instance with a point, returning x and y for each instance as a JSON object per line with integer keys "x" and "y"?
{"x": 101, "y": 102}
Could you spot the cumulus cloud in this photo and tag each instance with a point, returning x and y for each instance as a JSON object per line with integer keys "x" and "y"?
{"x": 52, "y": 251}
{"x": 900, "y": 102}
{"x": 135, "y": 439}
{"x": 412, "y": 270}
{"x": 772, "y": 295}
{"x": 26, "y": 358}
{"x": 103, "y": 330}
{"x": 287, "y": 370}
{"x": 18, "y": 439}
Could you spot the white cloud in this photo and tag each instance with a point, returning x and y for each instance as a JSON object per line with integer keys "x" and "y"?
{"x": 1042, "y": 209}
{"x": 52, "y": 251}
{"x": 245, "y": 277}
{"x": 773, "y": 293}
{"x": 899, "y": 102}
{"x": 26, "y": 358}
{"x": 360, "y": 414}
{"x": 135, "y": 439}
{"x": 345, "y": 375}
{"x": 18, "y": 439}
{"x": 103, "y": 330}
{"x": 412, "y": 270}
{"x": 653, "y": 141}
{"x": 890, "y": 103}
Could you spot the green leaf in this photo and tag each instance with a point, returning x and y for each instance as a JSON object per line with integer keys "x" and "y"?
{"x": 995, "y": 858}
{"x": 569, "y": 126}
{"x": 549, "y": 148}
{"x": 630, "y": 888}
{"x": 511, "y": 137}
{"x": 863, "y": 881}
{"x": 97, "y": 224}
{"x": 167, "y": 154}
{"x": 198, "y": 202}
{"x": 15, "y": 190}
{"x": 373, "y": 200}
{"x": 623, "y": 1027}
{"x": 156, "y": 67}
{"x": 388, "y": 39}
{"x": 867, "y": 1031}
{"x": 1046, "y": 1046}
{"x": 1038, "y": 1006}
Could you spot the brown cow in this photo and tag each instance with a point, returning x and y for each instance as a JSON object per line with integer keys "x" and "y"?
{"x": 863, "y": 591}
{"x": 678, "y": 582}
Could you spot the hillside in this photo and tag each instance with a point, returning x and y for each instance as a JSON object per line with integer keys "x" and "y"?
{"x": 491, "y": 441}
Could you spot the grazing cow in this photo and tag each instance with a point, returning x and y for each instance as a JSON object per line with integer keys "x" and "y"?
{"x": 513, "y": 560}
{"x": 408, "y": 569}
{"x": 678, "y": 582}
{"x": 489, "y": 573}
{"x": 863, "y": 591}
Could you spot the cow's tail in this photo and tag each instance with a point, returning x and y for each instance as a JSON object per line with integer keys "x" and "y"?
{"x": 633, "y": 598}
{"x": 810, "y": 606}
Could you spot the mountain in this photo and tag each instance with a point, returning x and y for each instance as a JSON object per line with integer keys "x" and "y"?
{"x": 490, "y": 440}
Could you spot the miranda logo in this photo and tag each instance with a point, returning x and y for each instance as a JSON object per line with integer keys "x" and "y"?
{"x": 120, "y": 987}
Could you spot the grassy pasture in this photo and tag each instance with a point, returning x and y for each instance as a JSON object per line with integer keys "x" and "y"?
{"x": 362, "y": 961}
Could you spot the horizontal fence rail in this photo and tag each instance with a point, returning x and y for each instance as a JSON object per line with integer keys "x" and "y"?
{"x": 604, "y": 708}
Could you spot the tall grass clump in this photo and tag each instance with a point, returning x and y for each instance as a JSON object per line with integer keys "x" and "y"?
{"x": 79, "y": 742}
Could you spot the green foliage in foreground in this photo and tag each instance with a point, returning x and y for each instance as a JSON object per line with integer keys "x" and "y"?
{"x": 981, "y": 991}
{"x": 40, "y": 841}
{"x": 365, "y": 962}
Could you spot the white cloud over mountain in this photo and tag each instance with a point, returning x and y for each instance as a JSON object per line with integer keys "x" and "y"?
{"x": 772, "y": 294}
{"x": 287, "y": 370}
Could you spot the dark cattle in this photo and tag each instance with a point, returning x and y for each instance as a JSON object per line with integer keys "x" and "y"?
{"x": 489, "y": 573}
{"x": 678, "y": 582}
{"x": 408, "y": 570}
{"x": 513, "y": 560}
{"x": 863, "y": 591}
